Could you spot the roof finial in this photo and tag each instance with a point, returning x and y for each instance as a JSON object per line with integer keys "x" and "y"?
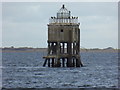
{"x": 63, "y": 6}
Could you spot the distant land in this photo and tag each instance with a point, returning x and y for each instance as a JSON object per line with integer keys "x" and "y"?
{"x": 30, "y": 49}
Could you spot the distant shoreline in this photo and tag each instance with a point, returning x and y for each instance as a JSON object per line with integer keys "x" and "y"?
{"x": 45, "y": 50}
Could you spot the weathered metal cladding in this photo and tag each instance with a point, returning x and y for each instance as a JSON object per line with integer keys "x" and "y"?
{"x": 63, "y": 33}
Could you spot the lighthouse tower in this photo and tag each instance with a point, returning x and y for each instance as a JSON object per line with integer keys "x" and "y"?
{"x": 63, "y": 40}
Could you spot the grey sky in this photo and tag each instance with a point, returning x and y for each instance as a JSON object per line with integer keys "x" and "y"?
{"x": 25, "y": 24}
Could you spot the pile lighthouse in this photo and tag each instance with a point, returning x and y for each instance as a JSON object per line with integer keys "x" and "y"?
{"x": 63, "y": 40}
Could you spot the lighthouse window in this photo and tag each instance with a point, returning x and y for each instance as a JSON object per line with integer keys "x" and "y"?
{"x": 61, "y": 30}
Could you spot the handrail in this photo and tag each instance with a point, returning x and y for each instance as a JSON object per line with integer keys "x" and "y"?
{"x": 66, "y": 20}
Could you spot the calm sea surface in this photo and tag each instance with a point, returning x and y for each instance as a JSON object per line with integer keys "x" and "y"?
{"x": 25, "y": 70}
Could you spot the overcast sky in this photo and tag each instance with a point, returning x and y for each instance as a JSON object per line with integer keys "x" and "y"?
{"x": 25, "y": 24}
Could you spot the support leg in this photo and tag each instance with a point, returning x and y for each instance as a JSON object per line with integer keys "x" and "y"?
{"x": 67, "y": 62}
{"x": 58, "y": 63}
{"x": 63, "y": 46}
{"x": 77, "y": 63}
{"x": 48, "y": 62}
{"x": 69, "y": 47}
{"x": 52, "y": 62}
{"x": 63, "y": 62}
{"x": 73, "y": 62}
{"x": 45, "y": 63}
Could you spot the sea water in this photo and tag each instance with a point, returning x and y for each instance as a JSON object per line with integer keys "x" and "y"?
{"x": 25, "y": 70}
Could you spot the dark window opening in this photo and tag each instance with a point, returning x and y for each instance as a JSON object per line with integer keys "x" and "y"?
{"x": 61, "y": 30}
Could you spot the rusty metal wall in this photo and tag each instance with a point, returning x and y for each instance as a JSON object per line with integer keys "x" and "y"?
{"x": 63, "y": 33}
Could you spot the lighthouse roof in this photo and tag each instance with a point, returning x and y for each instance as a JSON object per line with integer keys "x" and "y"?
{"x": 63, "y": 10}
{"x": 64, "y": 16}
{"x": 63, "y": 13}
